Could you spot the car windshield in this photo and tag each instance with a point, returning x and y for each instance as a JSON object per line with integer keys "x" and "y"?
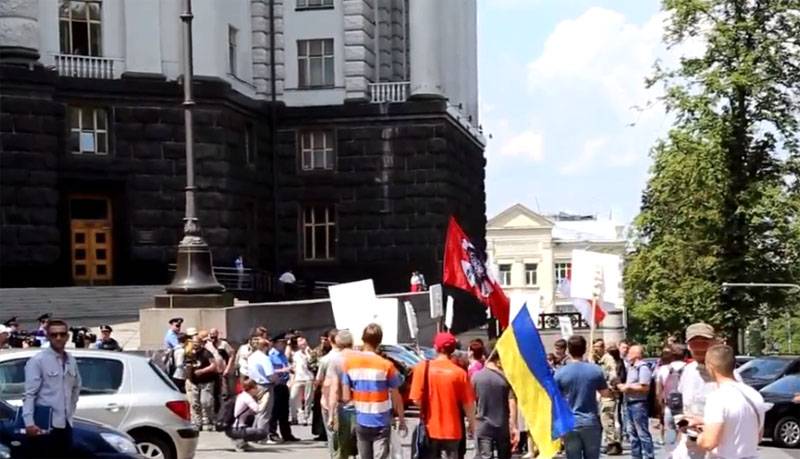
{"x": 788, "y": 385}
{"x": 763, "y": 368}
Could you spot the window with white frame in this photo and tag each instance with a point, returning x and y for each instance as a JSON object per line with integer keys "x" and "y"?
{"x": 505, "y": 274}
{"x": 316, "y": 150}
{"x": 562, "y": 271}
{"x": 315, "y": 63}
{"x": 233, "y": 37}
{"x": 88, "y": 130}
{"x": 309, "y": 4}
{"x": 530, "y": 273}
{"x": 319, "y": 233}
{"x": 79, "y": 27}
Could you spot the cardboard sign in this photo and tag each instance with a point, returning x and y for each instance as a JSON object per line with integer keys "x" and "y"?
{"x": 436, "y": 293}
{"x": 411, "y": 318}
{"x": 355, "y": 306}
{"x": 565, "y": 323}
{"x": 596, "y": 274}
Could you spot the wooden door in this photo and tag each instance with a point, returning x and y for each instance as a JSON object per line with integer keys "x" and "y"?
{"x": 92, "y": 244}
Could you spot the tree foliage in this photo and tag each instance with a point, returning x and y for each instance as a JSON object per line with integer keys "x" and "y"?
{"x": 722, "y": 201}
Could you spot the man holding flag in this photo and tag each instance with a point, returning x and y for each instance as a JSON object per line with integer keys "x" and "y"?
{"x": 547, "y": 414}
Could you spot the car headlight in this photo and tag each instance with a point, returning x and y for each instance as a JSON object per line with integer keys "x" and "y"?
{"x": 120, "y": 443}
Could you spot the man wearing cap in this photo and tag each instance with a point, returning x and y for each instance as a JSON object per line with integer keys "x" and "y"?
{"x": 171, "y": 338}
{"x": 696, "y": 383}
{"x": 448, "y": 397}
{"x": 41, "y": 332}
{"x": 106, "y": 342}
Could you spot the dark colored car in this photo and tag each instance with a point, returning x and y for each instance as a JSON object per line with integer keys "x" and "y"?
{"x": 425, "y": 352}
{"x": 782, "y": 422}
{"x": 761, "y": 371}
{"x": 90, "y": 439}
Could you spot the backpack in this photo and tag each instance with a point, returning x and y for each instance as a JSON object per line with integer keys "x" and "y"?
{"x": 167, "y": 362}
{"x": 673, "y": 399}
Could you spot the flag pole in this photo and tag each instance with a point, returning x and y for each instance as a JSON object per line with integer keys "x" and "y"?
{"x": 592, "y": 321}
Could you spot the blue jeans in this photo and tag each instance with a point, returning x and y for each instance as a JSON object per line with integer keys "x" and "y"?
{"x": 639, "y": 430}
{"x": 583, "y": 443}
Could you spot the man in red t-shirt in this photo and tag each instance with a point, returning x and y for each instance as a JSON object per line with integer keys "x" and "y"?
{"x": 448, "y": 399}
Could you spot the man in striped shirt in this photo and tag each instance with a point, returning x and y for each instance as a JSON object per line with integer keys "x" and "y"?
{"x": 369, "y": 380}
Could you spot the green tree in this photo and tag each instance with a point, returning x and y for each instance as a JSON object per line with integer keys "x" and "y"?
{"x": 722, "y": 201}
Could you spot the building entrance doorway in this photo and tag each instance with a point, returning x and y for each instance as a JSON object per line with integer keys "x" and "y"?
{"x": 91, "y": 240}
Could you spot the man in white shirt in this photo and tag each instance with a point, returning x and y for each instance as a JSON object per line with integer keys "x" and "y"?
{"x": 734, "y": 412}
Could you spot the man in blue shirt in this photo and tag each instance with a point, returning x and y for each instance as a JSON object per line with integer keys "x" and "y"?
{"x": 280, "y": 411}
{"x": 636, "y": 388}
{"x": 580, "y": 382}
{"x": 171, "y": 338}
{"x": 260, "y": 370}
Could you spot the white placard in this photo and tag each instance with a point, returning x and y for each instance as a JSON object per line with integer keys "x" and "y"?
{"x": 386, "y": 315}
{"x": 448, "y": 313}
{"x": 565, "y": 323}
{"x": 592, "y": 268}
{"x": 352, "y": 304}
{"x": 436, "y": 295}
{"x": 517, "y": 300}
{"x": 411, "y": 318}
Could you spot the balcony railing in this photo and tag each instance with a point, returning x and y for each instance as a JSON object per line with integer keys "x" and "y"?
{"x": 76, "y": 66}
{"x": 249, "y": 280}
{"x": 389, "y": 92}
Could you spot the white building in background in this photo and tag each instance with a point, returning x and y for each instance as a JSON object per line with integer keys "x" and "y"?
{"x": 326, "y": 52}
{"x": 531, "y": 253}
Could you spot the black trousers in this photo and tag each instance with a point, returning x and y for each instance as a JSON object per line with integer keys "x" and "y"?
{"x": 56, "y": 444}
{"x": 317, "y": 423}
{"x": 280, "y": 412}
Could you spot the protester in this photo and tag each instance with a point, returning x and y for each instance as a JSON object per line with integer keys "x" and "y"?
{"x": 302, "y": 390}
{"x": 667, "y": 378}
{"x": 580, "y": 382}
{"x": 449, "y": 397}
{"x": 560, "y": 353}
{"x": 477, "y": 355}
{"x": 244, "y": 412}
{"x": 371, "y": 383}
{"x": 341, "y": 416}
{"x": 260, "y": 371}
{"x": 496, "y": 419}
{"x": 171, "y": 337}
{"x": 179, "y": 361}
{"x": 635, "y": 389}
{"x": 733, "y": 417}
{"x": 5, "y": 334}
{"x": 608, "y": 404}
{"x": 106, "y": 342}
{"x": 246, "y": 349}
{"x": 696, "y": 383}
{"x": 319, "y": 359}
{"x": 203, "y": 372}
{"x": 623, "y": 347}
{"x": 280, "y": 410}
{"x": 52, "y": 380}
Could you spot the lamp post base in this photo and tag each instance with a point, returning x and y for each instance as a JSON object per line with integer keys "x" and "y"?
{"x": 194, "y": 273}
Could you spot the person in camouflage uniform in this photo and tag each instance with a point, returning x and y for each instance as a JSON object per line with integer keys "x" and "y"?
{"x": 608, "y": 405}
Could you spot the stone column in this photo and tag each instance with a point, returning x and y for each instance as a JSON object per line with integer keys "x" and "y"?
{"x": 19, "y": 31}
{"x": 424, "y": 28}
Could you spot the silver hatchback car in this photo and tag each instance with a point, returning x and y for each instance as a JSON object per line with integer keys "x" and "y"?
{"x": 125, "y": 391}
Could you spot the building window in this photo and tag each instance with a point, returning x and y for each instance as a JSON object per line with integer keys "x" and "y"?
{"x": 79, "y": 27}
{"x": 310, "y": 4}
{"x": 233, "y": 34}
{"x": 316, "y": 150}
{"x": 319, "y": 233}
{"x": 505, "y": 274}
{"x": 250, "y": 144}
{"x": 562, "y": 271}
{"x": 530, "y": 273}
{"x": 315, "y": 63}
{"x": 88, "y": 130}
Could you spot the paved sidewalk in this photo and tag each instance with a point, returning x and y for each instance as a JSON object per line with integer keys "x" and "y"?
{"x": 215, "y": 445}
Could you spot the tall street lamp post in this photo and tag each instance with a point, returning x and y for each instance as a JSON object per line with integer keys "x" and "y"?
{"x": 194, "y": 270}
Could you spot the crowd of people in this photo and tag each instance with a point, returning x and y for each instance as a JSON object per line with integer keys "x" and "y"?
{"x": 12, "y": 335}
{"x": 350, "y": 395}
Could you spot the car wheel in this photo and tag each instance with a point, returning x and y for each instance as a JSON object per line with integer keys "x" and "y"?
{"x": 153, "y": 447}
{"x": 787, "y": 432}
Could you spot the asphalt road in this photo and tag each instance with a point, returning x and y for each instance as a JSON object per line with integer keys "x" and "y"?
{"x": 216, "y": 446}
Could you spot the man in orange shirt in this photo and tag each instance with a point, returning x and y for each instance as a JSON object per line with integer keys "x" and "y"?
{"x": 449, "y": 397}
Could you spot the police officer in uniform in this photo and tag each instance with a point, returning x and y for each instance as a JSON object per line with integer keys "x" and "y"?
{"x": 608, "y": 405}
{"x": 106, "y": 342}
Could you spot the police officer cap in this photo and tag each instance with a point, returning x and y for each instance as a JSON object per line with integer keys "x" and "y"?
{"x": 176, "y": 320}
{"x": 106, "y": 328}
{"x": 11, "y": 322}
{"x": 44, "y": 317}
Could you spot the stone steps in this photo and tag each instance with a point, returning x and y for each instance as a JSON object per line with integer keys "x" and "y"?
{"x": 79, "y": 306}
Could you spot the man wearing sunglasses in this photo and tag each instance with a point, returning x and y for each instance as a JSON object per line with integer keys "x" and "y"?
{"x": 52, "y": 380}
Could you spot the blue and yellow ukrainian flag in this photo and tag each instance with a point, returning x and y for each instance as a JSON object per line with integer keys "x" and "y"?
{"x": 524, "y": 362}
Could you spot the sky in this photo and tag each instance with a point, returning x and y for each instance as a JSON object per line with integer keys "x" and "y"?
{"x": 563, "y": 103}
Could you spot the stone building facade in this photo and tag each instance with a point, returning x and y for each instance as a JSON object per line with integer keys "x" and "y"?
{"x": 365, "y": 172}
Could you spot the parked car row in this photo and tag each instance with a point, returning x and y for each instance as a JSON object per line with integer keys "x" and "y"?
{"x": 151, "y": 412}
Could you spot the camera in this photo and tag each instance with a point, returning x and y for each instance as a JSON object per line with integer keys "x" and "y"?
{"x": 80, "y": 335}
{"x": 20, "y": 339}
